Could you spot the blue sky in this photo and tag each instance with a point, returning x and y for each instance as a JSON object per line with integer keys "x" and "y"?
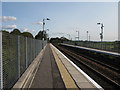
{"x": 60, "y": 0}
{"x": 66, "y": 18}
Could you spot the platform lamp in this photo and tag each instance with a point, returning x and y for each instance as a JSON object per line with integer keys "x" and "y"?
{"x": 44, "y": 30}
{"x": 44, "y": 25}
{"x": 47, "y": 34}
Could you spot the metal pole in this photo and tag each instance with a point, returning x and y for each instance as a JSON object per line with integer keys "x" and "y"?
{"x": 18, "y": 56}
{"x": 78, "y": 35}
{"x": 102, "y": 32}
{"x": 43, "y": 24}
{"x": 87, "y": 35}
{"x": 69, "y": 36}
{"x": 47, "y": 35}
{"x": 26, "y": 53}
{"x": 43, "y": 27}
{"x": 1, "y": 63}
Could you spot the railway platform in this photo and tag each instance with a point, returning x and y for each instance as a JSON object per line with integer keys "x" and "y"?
{"x": 52, "y": 69}
{"x": 95, "y": 50}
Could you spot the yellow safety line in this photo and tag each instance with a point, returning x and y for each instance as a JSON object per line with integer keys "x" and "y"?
{"x": 67, "y": 79}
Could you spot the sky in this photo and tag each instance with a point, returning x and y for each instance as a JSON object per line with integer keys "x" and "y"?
{"x": 59, "y": 0}
{"x": 65, "y": 18}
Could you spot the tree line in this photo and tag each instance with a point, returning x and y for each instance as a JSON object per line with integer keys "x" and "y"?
{"x": 40, "y": 35}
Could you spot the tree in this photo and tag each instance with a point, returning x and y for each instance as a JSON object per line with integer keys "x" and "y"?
{"x": 5, "y": 31}
{"x": 64, "y": 39}
{"x": 15, "y": 32}
{"x": 27, "y": 34}
{"x": 41, "y": 35}
{"x": 58, "y": 40}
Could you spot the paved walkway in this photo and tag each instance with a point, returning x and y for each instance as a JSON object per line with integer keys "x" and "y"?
{"x": 55, "y": 71}
{"x": 48, "y": 75}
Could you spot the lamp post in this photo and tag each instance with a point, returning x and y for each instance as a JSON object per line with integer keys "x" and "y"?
{"x": 78, "y": 35}
{"x": 101, "y": 34}
{"x": 87, "y": 35}
{"x": 47, "y": 35}
{"x": 44, "y": 26}
{"x": 69, "y": 36}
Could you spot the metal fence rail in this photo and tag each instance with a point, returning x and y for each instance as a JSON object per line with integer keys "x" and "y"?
{"x": 1, "y": 65}
{"x": 108, "y": 46}
{"x": 16, "y": 54}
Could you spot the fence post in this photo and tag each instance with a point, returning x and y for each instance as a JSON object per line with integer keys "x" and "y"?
{"x": 18, "y": 56}
{"x": 1, "y": 63}
{"x": 26, "y": 53}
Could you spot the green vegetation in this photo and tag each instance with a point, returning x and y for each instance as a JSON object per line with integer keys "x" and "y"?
{"x": 41, "y": 35}
{"x": 27, "y": 34}
{"x": 5, "y": 31}
{"x": 58, "y": 40}
{"x": 15, "y": 32}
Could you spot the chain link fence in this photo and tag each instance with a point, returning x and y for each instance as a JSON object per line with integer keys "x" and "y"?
{"x": 107, "y": 46}
{"x": 16, "y": 54}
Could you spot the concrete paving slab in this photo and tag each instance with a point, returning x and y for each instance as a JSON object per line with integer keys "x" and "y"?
{"x": 60, "y": 56}
{"x": 74, "y": 72}
{"x": 67, "y": 64}
{"x": 71, "y": 69}
{"x": 64, "y": 61}
{"x": 48, "y": 75}
{"x": 85, "y": 85}
{"x": 80, "y": 79}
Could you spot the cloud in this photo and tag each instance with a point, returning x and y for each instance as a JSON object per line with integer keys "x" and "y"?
{"x": 24, "y": 29}
{"x": 7, "y": 18}
{"x": 27, "y": 30}
{"x": 9, "y": 27}
{"x": 38, "y": 22}
{"x": 33, "y": 30}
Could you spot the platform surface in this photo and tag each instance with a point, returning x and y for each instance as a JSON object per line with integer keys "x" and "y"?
{"x": 48, "y": 75}
{"x": 96, "y": 50}
{"x": 55, "y": 71}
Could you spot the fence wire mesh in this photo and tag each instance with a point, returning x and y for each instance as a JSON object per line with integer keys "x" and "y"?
{"x": 10, "y": 63}
{"x": 17, "y": 54}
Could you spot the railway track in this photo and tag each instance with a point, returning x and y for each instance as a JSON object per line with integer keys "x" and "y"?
{"x": 108, "y": 77}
